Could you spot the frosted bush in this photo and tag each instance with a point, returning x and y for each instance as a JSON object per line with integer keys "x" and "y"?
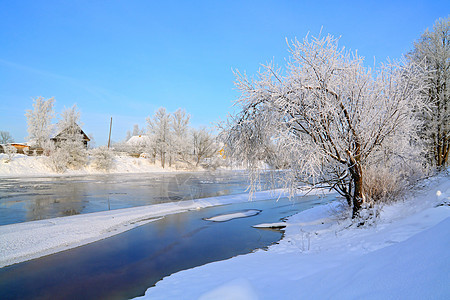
{"x": 10, "y": 151}
{"x": 68, "y": 154}
{"x": 57, "y": 159}
{"x": 102, "y": 158}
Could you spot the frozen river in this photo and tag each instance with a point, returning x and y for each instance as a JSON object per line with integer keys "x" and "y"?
{"x": 28, "y": 199}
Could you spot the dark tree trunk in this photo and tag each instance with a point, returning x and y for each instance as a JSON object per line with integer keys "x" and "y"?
{"x": 357, "y": 182}
{"x": 358, "y": 192}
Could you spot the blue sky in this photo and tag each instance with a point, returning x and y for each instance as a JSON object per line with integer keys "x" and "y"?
{"x": 125, "y": 59}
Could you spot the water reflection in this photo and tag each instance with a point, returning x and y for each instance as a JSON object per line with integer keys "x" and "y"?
{"x": 27, "y": 199}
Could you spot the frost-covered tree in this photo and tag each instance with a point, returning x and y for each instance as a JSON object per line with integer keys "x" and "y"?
{"x": 92, "y": 143}
{"x": 137, "y": 130}
{"x": 128, "y": 136}
{"x": 40, "y": 120}
{"x": 5, "y": 137}
{"x": 102, "y": 158}
{"x": 327, "y": 115}
{"x": 433, "y": 50}
{"x": 204, "y": 143}
{"x": 159, "y": 129}
{"x": 180, "y": 135}
{"x": 70, "y": 150}
{"x": 10, "y": 151}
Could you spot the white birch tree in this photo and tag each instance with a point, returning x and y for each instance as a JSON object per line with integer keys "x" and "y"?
{"x": 180, "y": 135}
{"x": 40, "y": 121}
{"x": 205, "y": 145}
{"x": 433, "y": 50}
{"x": 327, "y": 114}
{"x": 159, "y": 129}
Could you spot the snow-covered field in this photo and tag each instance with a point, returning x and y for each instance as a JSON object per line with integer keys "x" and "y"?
{"x": 404, "y": 256}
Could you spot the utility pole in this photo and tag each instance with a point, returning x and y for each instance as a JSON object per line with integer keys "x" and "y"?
{"x": 109, "y": 139}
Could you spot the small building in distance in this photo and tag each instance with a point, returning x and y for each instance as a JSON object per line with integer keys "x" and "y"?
{"x": 62, "y": 136}
{"x": 137, "y": 144}
{"x": 20, "y": 148}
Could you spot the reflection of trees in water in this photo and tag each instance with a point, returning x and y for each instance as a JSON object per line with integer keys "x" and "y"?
{"x": 66, "y": 200}
{"x": 189, "y": 186}
{"x": 63, "y": 196}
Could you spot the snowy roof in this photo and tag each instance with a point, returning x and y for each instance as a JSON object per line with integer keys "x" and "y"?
{"x": 78, "y": 129}
{"x": 138, "y": 140}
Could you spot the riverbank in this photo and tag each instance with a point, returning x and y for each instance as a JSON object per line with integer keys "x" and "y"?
{"x": 36, "y": 166}
{"x": 404, "y": 255}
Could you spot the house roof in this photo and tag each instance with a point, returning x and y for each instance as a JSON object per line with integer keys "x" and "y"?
{"x": 60, "y": 134}
{"x": 138, "y": 140}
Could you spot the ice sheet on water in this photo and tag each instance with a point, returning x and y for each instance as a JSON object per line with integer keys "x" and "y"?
{"x": 236, "y": 215}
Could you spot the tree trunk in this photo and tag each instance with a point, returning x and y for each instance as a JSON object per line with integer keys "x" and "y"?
{"x": 163, "y": 158}
{"x": 357, "y": 181}
{"x": 358, "y": 192}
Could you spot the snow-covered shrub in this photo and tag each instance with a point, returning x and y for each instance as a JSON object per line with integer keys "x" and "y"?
{"x": 102, "y": 158}
{"x": 56, "y": 158}
{"x": 76, "y": 153}
{"x": 10, "y": 151}
{"x": 381, "y": 184}
{"x": 70, "y": 153}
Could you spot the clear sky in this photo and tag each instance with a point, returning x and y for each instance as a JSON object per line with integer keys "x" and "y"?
{"x": 125, "y": 59}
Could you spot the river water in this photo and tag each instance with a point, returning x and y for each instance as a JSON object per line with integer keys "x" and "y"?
{"x": 28, "y": 199}
{"x": 125, "y": 265}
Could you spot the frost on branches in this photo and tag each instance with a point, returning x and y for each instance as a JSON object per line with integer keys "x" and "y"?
{"x": 102, "y": 158}
{"x": 433, "y": 50}
{"x": 40, "y": 121}
{"x": 159, "y": 128}
{"x": 69, "y": 150}
{"x": 327, "y": 119}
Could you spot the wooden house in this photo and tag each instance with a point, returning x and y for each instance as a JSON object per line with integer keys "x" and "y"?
{"x": 62, "y": 136}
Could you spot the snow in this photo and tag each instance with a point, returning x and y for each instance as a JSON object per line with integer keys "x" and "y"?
{"x": 138, "y": 140}
{"x": 27, "y": 166}
{"x": 323, "y": 256}
{"x": 236, "y": 215}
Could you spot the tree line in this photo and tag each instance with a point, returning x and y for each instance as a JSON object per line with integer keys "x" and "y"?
{"x": 170, "y": 140}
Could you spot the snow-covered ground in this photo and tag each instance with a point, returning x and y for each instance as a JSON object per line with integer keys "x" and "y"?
{"x": 25, "y": 166}
{"x": 404, "y": 256}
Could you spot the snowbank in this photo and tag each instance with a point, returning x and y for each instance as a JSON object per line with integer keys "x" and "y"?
{"x": 26, "y": 166}
{"x": 404, "y": 256}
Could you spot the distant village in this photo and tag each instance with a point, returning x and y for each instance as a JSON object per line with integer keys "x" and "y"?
{"x": 168, "y": 141}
